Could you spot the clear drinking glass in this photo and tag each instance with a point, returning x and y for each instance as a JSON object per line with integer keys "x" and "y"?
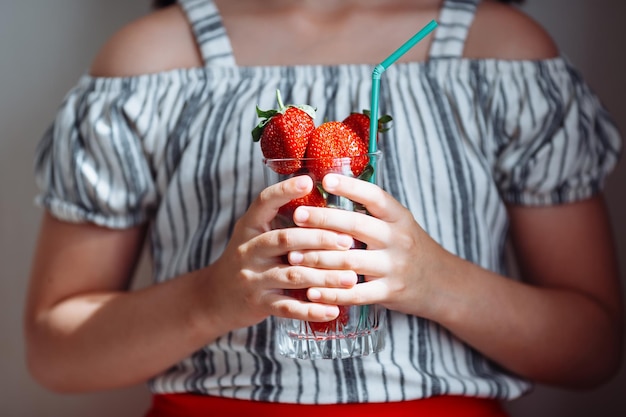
{"x": 359, "y": 330}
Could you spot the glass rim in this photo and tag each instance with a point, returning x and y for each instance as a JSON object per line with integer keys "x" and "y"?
{"x": 376, "y": 154}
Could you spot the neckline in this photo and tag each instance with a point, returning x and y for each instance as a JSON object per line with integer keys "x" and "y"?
{"x": 439, "y": 66}
{"x": 227, "y": 47}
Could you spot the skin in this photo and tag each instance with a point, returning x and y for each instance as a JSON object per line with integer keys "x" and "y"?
{"x": 567, "y": 310}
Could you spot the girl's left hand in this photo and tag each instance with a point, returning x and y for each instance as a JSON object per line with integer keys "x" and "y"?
{"x": 567, "y": 308}
{"x": 401, "y": 258}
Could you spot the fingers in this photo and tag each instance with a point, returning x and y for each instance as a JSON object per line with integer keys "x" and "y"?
{"x": 368, "y": 263}
{"x": 299, "y": 277}
{"x": 320, "y": 261}
{"x": 375, "y": 229}
{"x": 281, "y": 241}
{"x": 283, "y": 306}
{"x": 266, "y": 205}
{"x": 378, "y": 202}
{"x": 362, "y": 262}
{"x": 373, "y": 292}
{"x": 294, "y": 304}
{"x": 363, "y": 227}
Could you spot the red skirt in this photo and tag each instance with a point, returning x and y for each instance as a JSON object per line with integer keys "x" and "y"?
{"x": 190, "y": 405}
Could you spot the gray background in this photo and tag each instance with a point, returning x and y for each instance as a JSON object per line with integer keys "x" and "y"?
{"x": 46, "y": 45}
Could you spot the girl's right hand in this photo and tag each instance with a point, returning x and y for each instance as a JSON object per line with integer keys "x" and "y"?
{"x": 80, "y": 306}
{"x": 245, "y": 285}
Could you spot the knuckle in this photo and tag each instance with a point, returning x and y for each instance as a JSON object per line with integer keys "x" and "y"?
{"x": 286, "y": 309}
{"x": 314, "y": 312}
{"x": 284, "y": 238}
{"x": 349, "y": 262}
{"x": 241, "y": 253}
{"x": 319, "y": 217}
{"x": 354, "y": 225}
{"x": 312, "y": 259}
{"x": 294, "y": 276}
{"x": 251, "y": 299}
{"x": 333, "y": 298}
{"x": 327, "y": 240}
{"x": 246, "y": 275}
{"x": 264, "y": 196}
{"x": 405, "y": 241}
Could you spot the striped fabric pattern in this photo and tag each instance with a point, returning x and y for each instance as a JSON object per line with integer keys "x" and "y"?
{"x": 469, "y": 136}
{"x": 454, "y": 22}
{"x": 209, "y": 31}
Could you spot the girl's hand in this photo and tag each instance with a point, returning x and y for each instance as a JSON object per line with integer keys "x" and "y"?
{"x": 399, "y": 263}
{"x": 246, "y": 284}
{"x": 566, "y": 308}
{"x": 79, "y": 304}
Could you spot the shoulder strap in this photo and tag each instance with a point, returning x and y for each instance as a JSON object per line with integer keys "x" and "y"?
{"x": 455, "y": 19}
{"x": 211, "y": 37}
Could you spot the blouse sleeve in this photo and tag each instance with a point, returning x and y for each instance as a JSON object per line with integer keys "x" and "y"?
{"x": 556, "y": 142}
{"x": 93, "y": 165}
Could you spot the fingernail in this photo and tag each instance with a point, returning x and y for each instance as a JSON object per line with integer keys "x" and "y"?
{"x": 347, "y": 279}
{"x": 302, "y": 182}
{"x": 331, "y": 311}
{"x": 313, "y": 294}
{"x": 301, "y": 214}
{"x": 295, "y": 257}
{"x": 345, "y": 241}
{"x": 330, "y": 181}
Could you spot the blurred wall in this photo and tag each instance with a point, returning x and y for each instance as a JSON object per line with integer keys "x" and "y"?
{"x": 46, "y": 45}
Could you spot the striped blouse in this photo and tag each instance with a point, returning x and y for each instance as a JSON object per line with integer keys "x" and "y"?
{"x": 174, "y": 149}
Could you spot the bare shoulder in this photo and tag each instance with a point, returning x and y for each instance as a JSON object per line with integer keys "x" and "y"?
{"x": 159, "y": 41}
{"x": 504, "y": 32}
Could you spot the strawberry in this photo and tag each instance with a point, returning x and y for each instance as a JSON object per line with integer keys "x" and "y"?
{"x": 336, "y": 140}
{"x": 299, "y": 294}
{"x": 360, "y": 123}
{"x": 284, "y": 133}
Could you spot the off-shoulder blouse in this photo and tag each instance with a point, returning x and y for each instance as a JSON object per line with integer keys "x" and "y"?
{"x": 469, "y": 136}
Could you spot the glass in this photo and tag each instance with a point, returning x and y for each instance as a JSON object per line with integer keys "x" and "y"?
{"x": 358, "y": 330}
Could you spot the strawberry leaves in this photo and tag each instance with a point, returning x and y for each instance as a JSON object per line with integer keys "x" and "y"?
{"x": 267, "y": 115}
{"x": 284, "y": 134}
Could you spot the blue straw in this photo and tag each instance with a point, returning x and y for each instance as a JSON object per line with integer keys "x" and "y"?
{"x": 382, "y": 67}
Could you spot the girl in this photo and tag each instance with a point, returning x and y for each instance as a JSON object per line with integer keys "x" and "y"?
{"x": 496, "y": 138}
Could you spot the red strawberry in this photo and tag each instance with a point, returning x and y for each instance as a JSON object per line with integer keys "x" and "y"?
{"x": 299, "y": 294}
{"x": 360, "y": 123}
{"x": 284, "y": 133}
{"x": 336, "y": 140}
